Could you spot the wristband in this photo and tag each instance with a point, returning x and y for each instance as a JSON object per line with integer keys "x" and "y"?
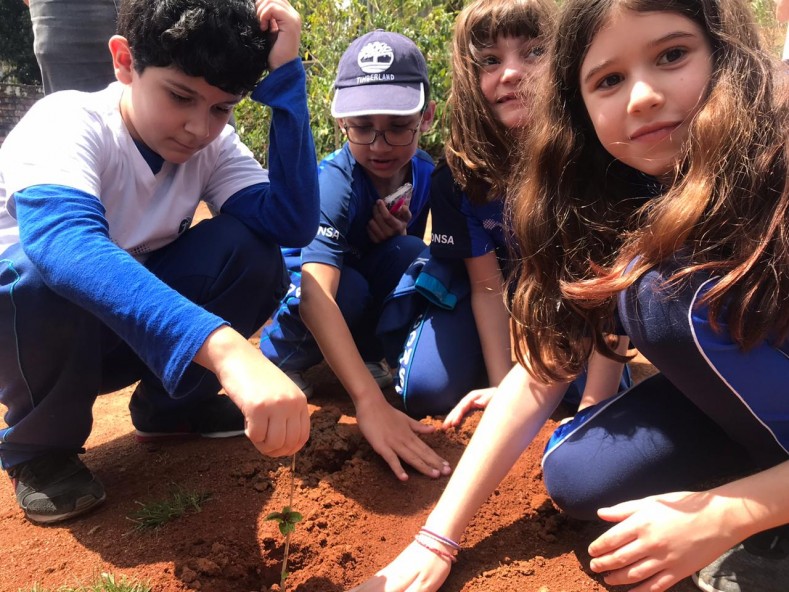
{"x": 440, "y": 552}
{"x": 440, "y": 539}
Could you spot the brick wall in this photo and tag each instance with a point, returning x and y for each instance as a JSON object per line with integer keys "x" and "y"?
{"x": 15, "y": 100}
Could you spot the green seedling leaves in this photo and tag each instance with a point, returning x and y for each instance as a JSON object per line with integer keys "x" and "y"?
{"x": 286, "y": 520}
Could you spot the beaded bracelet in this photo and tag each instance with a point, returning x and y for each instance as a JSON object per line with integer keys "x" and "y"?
{"x": 440, "y": 539}
{"x": 441, "y": 553}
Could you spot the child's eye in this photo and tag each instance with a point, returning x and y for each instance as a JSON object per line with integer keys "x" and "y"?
{"x": 610, "y": 81}
{"x": 179, "y": 98}
{"x": 533, "y": 53}
{"x": 672, "y": 55}
{"x": 487, "y": 61}
{"x": 223, "y": 109}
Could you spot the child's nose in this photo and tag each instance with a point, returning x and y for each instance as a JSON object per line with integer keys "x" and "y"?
{"x": 511, "y": 73}
{"x": 644, "y": 96}
{"x": 198, "y": 124}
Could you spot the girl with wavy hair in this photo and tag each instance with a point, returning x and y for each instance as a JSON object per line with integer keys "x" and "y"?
{"x": 652, "y": 204}
{"x": 458, "y": 349}
{"x": 462, "y": 324}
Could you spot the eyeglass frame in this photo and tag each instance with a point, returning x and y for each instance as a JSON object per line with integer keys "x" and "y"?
{"x": 382, "y": 133}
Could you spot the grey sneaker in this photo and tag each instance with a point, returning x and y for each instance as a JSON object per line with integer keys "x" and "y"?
{"x": 300, "y": 381}
{"x": 216, "y": 417}
{"x": 760, "y": 564}
{"x": 55, "y": 487}
{"x": 381, "y": 373}
{"x": 379, "y": 370}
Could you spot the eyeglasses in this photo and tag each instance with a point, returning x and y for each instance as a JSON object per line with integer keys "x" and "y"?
{"x": 366, "y": 135}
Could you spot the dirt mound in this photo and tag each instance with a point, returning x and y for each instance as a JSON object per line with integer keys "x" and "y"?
{"x": 357, "y": 516}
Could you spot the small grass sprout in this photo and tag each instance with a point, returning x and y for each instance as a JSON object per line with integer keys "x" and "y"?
{"x": 106, "y": 583}
{"x": 152, "y": 515}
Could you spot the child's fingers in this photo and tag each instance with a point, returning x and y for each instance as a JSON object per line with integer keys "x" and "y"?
{"x": 421, "y": 428}
{"x": 453, "y": 419}
{"x": 271, "y": 13}
{"x": 297, "y": 432}
{"x": 423, "y": 458}
{"x": 620, "y": 511}
{"x": 614, "y": 538}
{"x": 390, "y": 457}
{"x": 282, "y": 438}
{"x": 374, "y": 231}
{"x": 477, "y": 399}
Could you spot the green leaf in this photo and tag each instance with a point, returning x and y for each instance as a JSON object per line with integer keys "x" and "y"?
{"x": 278, "y": 516}
{"x": 294, "y": 517}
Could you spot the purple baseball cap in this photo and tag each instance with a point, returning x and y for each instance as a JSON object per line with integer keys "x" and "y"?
{"x": 380, "y": 73}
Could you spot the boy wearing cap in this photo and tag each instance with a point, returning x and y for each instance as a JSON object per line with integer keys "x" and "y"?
{"x": 103, "y": 281}
{"x": 382, "y": 104}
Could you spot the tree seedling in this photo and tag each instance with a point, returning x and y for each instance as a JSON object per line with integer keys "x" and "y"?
{"x": 286, "y": 521}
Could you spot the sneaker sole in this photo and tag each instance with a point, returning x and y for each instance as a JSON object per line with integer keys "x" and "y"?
{"x": 144, "y": 437}
{"x": 83, "y": 505}
{"x": 702, "y": 585}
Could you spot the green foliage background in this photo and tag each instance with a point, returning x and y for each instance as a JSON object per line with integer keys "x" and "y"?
{"x": 330, "y": 25}
{"x": 17, "y": 62}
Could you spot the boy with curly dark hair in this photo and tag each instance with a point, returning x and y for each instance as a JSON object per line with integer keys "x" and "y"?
{"x": 103, "y": 279}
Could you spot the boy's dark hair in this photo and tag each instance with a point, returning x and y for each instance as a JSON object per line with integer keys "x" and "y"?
{"x": 220, "y": 41}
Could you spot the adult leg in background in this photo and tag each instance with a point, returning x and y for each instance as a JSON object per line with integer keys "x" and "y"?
{"x": 70, "y": 43}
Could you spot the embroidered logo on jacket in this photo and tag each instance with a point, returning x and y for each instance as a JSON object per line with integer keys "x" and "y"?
{"x": 328, "y": 232}
{"x": 442, "y": 239}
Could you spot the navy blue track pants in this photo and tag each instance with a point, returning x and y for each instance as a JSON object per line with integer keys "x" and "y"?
{"x": 714, "y": 412}
{"x": 57, "y": 358}
{"x": 364, "y": 285}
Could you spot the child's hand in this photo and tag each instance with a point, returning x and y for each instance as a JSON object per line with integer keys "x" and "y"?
{"x": 393, "y": 435}
{"x": 275, "y": 410}
{"x": 660, "y": 539}
{"x": 284, "y": 23}
{"x": 415, "y": 569}
{"x": 384, "y": 225}
{"x": 477, "y": 399}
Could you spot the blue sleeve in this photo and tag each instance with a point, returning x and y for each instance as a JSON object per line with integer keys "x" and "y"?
{"x": 422, "y": 168}
{"x": 461, "y": 229}
{"x": 331, "y": 243}
{"x": 64, "y": 233}
{"x": 286, "y": 209}
{"x": 450, "y": 236}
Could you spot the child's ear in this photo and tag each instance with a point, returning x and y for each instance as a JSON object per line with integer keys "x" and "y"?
{"x": 428, "y": 116}
{"x": 122, "y": 59}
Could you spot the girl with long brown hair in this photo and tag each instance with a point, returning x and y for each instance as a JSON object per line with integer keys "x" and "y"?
{"x": 458, "y": 346}
{"x": 653, "y": 205}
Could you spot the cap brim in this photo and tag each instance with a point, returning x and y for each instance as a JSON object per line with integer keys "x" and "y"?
{"x": 378, "y": 99}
